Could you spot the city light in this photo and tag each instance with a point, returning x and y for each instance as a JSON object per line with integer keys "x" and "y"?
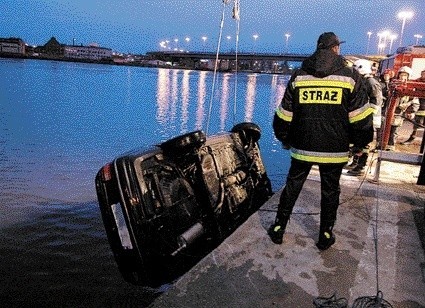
{"x": 385, "y": 39}
{"x": 187, "y": 39}
{"x": 381, "y": 42}
{"x": 392, "y": 38}
{"x": 381, "y": 48}
{"x": 418, "y": 37}
{"x": 404, "y": 15}
{"x": 368, "y": 42}
{"x": 204, "y": 38}
{"x": 255, "y": 36}
{"x": 287, "y": 35}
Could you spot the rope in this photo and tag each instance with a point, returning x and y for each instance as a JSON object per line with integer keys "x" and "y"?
{"x": 330, "y": 302}
{"x": 236, "y": 16}
{"x": 364, "y": 301}
{"x": 361, "y": 302}
{"x": 371, "y": 301}
{"x": 216, "y": 65}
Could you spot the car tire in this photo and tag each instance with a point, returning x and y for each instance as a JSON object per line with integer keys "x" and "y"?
{"x": 184, "y": 144}
{"x": 248, "y": 130}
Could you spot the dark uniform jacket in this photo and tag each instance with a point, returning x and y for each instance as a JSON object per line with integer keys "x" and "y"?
{"x": 374, "y": 93}
{"x": 324, "y": 109}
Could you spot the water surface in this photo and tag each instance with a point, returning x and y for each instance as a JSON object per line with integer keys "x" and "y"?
{"x": 60, "y": 122}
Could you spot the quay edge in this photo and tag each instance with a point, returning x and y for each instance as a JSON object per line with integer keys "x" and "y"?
{"x": 248, "y": 270}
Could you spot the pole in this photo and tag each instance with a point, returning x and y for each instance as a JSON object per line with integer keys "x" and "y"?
{"x": 421, "y": 177}
{"x": 368, "y": 42}
{"x": 402, "y": 30}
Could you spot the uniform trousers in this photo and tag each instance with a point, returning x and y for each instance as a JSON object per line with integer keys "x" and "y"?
{"x": 330, "y": 175}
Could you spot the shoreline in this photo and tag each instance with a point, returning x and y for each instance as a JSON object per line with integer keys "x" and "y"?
{"x": 137, "y": 64}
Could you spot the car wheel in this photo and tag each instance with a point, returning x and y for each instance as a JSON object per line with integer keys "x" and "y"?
{"x": 248, "y": 130}
{"x": 184, "y": 143}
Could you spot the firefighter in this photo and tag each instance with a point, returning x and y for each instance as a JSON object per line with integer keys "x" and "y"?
{"x": 374, "y": 93}
{"x": 385, "y": 80}
{"x": 419, "y": 115}
{"x": 406, "y": 106}
{"x": 323, "y": 110}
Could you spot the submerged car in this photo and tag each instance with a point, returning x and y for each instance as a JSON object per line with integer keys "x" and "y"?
{"x": 167, "y": 207}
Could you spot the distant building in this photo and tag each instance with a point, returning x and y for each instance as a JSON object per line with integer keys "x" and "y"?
{"x": 12, "y": 46}
{"x": 91, "y": 52}
{"x": 53, "y": 48}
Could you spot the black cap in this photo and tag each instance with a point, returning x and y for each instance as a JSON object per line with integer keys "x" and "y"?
{"x": 328, "y": 40}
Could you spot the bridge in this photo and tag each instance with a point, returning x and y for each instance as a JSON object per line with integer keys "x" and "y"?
{"x": 268, "y": 62}
{"x": 255, "y": 61}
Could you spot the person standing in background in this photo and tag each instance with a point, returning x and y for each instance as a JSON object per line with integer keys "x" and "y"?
{"x": 374, "y": 93}
{"x": 385, "y": 80}
{"x": 406, "y": 106}
{"x": 419, "y": 115}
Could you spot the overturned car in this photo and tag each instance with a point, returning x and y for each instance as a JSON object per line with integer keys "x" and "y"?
{"x": 167, "y": 207}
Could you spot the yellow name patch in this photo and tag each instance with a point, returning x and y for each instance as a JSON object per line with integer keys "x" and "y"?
{"x": 320, "y": 96}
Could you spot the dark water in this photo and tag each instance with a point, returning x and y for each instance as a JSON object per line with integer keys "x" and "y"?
{"x": 60, "y": 122}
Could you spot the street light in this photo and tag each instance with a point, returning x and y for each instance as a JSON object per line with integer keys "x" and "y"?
{"x": 418, "y": 37}
{"x": 381, "y": 48}
{"x": 163, "y": 44}
{"x": 176, "y": 40}
{"x": 379, "y": 35}
{"x": 392, "y": 38}
{"x": 255, "y": 36}
{"x": 187, "y": 39}
{"x": 385, "y": 34}
{"x": 368, "y": 42}
{"x": 287, "y": 35}
{"x": 228, "y": 41}
{"x": 204, "y": 38}
{"x": 404, "y": 15}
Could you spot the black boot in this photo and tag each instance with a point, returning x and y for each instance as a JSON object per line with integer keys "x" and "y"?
{"x": 277, "y": 230}
{"x": 359, "y": 169}
{"x": 353, "y": 163}
{"x": 326, "y": 236}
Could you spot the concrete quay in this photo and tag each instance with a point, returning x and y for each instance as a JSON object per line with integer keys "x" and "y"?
{"x": 380, "y": 245}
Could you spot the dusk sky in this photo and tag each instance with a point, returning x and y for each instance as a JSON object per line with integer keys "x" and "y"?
{"x": 138, "y": 26}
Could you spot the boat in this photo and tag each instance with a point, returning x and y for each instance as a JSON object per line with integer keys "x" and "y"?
{"x": 166, "y": 207}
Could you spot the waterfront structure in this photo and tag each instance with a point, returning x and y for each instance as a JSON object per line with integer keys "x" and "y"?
{"x": 12, "y": 46}
{"x": 282, "y": 63}
{"x": 51, "y": 48}
{"x": 91, "y": 52}
{"x": 259, "y": 62}
{"x": 54, "y": 49}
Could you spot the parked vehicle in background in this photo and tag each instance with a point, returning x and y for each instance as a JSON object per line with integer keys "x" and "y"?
{"x": 411, "y": 56}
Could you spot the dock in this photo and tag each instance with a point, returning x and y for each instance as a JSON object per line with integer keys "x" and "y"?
{"x": 380, "y": 247}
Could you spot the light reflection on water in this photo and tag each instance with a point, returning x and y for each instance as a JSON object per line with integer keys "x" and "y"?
{"x": 59, "y": 123}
